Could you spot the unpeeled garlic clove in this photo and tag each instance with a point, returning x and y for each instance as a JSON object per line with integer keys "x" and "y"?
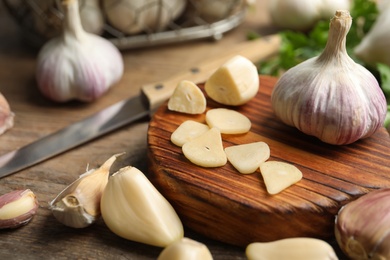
{"x": 17, "y": 208}
{"x": 135, "y": 210}
{"x": 6, "y": 115}
{"x": 362, "y": 227}
{"x": 299, "y": 248}
{"x": 185, "y": 249}
{"x": 78, "y": 205}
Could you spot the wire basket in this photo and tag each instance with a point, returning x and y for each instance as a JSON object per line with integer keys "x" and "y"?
{"x": 168, "y": 22}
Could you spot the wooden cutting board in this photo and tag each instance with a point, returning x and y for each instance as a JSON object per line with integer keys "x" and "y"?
{"x": 235, "y": 208}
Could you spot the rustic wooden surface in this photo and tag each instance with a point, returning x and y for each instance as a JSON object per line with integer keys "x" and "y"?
{"x": 44, "y": 237}
{"x": 235, "y": 208}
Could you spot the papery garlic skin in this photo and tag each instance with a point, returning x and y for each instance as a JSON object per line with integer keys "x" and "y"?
{"x": 330, "y": 96}
{"x": 77, "y": 65}
{"x": 17, "y": 208}
{"x": 362, "y": 227}
{"x": 135, "y": 210}
{"x": 6, "y": 115}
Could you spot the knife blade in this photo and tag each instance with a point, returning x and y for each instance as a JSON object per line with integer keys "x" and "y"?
{"x": 128, "y": 110}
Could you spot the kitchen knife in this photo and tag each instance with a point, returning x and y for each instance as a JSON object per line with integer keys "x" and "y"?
{"x": 127, "y": 111}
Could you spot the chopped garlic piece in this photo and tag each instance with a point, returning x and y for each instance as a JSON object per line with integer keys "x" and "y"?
{"x": 187, "y": 131}
{"x": 234, "y": 83}
{"x": 187, "y": 98}
{"x": 246, "y": 158}
{"x": 228, "y": 121}
{"x": 206, "y": 150}
{"x": 279, "y": 175}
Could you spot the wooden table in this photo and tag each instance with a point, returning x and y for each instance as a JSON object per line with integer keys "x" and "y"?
{"x": 44, "y": 237}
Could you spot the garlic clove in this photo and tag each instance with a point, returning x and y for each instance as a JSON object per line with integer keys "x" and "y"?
{"x": 17, "y": 208}
{"x": 299, "y": 248}
{"x": 77, "y": 65}
{"x": 187, "y": 98}
{"x": 279, "y": 175}
{"x": 185, "y": 249}
{"x": 6, "y": 115}
{"x": 78, "y": 205}
{"x": 228, "y": 121}
{"x": 247, "y": 158}
{"x": 362, "y": 226}
{"x": 234, "y": 83}
{"x": 135, "y": 210}
{"x": 206, "y": 150}
{"x": 187, "y": 131}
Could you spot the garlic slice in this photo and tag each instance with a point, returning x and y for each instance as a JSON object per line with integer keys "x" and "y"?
{"x": 135, "y": 210}
{"x": 228, "y": 121}
{"x": 187, "y": 98}
{"x": 185, "y": 249}
{"x": 78, "y": 205}
{"x": 234, "y": 83}
{"x": 279, "y": 175}
{"x": 299, "y": 248}
{"x": 187, "y": 131}
{"x": 6, "y": 115}
{"x": 247, "y": 158}
{"x": 206, "y": 150}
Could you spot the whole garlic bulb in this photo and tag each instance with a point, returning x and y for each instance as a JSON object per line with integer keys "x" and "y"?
{"x": 77, "y": 64}
{"x": 330, "y": 96}
{"x": 374, "y": 46}
{"x": 303, "y": 14}
{"x": 6, "y": 115}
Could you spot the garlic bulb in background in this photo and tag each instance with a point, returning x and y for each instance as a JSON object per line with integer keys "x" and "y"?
{"x": 6, "y": 115}
{"x": 374, "y": 47}
{"x": 303, "y": 14}
{"x": 330, "y": 96}
{"x": 134, "y": 16}
{"x": 77, "y": 64}
{"x": 91, "y": 16}
{"x": 362, "y": 226}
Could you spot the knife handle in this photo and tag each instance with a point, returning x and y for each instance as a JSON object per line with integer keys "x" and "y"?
{"x": 256, "y": 50}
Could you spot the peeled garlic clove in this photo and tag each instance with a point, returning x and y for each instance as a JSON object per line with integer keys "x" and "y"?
{"x": 247, "y": 158}
{"x": 234, "y": 83}
{"x": 17, "y": 208}
{"x": 300, "y": 248}
{"x": 6, "y": 115}
{"x": 279, "y": 175}
{"x": 228, "y": 121}
{"x": 187, "y": 131}
{"x": 187, "y": 98}
{"x": 206, "y": 150}
{"x": 78, "y": 205}
{"x": 77, "y": 65}
{"x": 135, "y": 210}
{"x": 185, "y": 249}
{"x": 330, "y": 96}
{"x": 362, "y": 226}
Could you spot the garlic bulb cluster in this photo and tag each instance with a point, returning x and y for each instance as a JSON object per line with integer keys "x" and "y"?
{"x": 362, "y": 226}
{"x": 330, "y": 96}
{"x": 303, "y": 14}
{"x": 77, "y": 65}
{"x": 374, "y": 46}
{"x": 6, "y": 115}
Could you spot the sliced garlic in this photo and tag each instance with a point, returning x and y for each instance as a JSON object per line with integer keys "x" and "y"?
{"x": 246, "y": 158}
{"x": 17, "y": 208}
{"x": 78, "y": 205}
{"x": 228, "y": 121}
{"x": 185, "y": 249}
{"x": 135, "y": 210}
{"x": 234, "y": 83}
{"x": 187, "y": 131}
{"x": 206, "y": 150}
{"x": 279, "y": 175}
{"x": 299, "y": 248}
{"x": 187, "y": 98}
{"x": 6, "y": 115}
